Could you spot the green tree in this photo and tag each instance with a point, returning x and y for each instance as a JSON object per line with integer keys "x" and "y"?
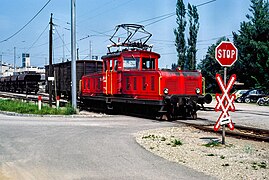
{"x": 192, "y": 40}
{"x": 210, "y": 67}
{"x": 252, "y": 42}
{"x": 180, "y": 42}
{"x": 174, "y": 66}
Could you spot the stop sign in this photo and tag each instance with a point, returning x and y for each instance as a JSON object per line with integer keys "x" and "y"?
{"x": 226, "y": 53}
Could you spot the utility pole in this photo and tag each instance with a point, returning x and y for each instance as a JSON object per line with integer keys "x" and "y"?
{"x": 50, "y": 61}
{"x": 14, "y": 61}
{"x": 90, "y": 50}
{"x": 1, "y": 64}
{"x": 73, "y": 54}
{"x": 63, "y": 49}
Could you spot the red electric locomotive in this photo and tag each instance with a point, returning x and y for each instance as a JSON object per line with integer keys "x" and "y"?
{"x": 132, "y": 82}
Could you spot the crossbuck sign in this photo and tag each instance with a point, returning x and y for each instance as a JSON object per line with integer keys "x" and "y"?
{"x": 225, "y": 102}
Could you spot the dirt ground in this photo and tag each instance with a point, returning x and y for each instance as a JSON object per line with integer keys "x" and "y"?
{"x": 238, "y": 159}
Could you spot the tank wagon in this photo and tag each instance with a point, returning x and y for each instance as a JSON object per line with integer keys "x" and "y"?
{"x": 131, "y": 81}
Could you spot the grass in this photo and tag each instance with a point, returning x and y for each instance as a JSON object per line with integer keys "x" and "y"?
{"x": 210, "y": 154}
{"x": 176, "y": 142}
{"x": 248, "y": 149}
{"x": 212, "y": 143}
{"x": 173, "y": 142}
{"x": 262, "y": 165}
{"x": 31, "y": 108}
{"x": 150, "y": 136}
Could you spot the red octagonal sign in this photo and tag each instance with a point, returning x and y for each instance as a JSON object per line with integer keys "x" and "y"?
{"x": 226, "y": 53}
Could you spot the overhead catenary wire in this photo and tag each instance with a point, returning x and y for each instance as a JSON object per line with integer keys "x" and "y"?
{"x": 38, "y": 38}
{"x": 17, "y": 32}
{"x": 159, "y": 18}
{"x": 105, "y": 11}
{"x": 199, "y": 41}
{"x": 95, "y": 9}
{"x": 171, "y": 15}
{"x": 205, "y": 3}
{"x": 149, "y": 21}
{"x": 166, "y": 16}
{"x": 62, "y": 40}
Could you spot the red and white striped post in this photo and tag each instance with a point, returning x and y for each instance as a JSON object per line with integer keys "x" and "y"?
{"x": 39, "y": 102}
{"x": 57, "y": 102}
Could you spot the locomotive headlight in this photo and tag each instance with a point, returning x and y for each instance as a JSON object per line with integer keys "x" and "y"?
{"x": 197, "y": 90}
{"x": 165, "y": 91}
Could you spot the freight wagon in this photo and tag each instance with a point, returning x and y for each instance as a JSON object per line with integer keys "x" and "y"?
{"x": 26, "y": 82}
{"x": 62, "y": 75}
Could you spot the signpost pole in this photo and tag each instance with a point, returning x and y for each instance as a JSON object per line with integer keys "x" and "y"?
{"x": 223, "y": 126}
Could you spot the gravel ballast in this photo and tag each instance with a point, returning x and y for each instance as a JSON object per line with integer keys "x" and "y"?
{"x": 237, "y": 159}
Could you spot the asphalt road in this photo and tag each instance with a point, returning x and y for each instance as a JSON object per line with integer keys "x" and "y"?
{"x": 82, "y": 148}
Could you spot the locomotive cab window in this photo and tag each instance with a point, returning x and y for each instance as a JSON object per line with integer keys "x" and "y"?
{"x": 148, "y": 63}
{"x": 131, "y": 63}
{"x": 116, "y": 64}
{"x": 105, "y": 65}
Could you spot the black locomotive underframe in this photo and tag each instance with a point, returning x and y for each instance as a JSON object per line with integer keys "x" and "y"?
{"x": 183, "y": 107}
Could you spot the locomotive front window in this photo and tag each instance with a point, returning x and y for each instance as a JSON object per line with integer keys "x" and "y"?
{"x": 148, "y": 63}
{"x": 131, "y": 63}
{"x": 111, "y": 64}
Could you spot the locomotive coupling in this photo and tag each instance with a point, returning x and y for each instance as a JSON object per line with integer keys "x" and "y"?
{"x": 205, "y": 99}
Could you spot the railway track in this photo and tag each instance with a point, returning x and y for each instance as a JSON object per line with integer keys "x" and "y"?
{"x": 239, "y": 131}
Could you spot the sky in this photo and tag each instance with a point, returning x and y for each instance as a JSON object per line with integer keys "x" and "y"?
{"x": 96, "y": 21}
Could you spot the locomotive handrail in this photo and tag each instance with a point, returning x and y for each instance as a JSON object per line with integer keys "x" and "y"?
{"x": 106, "y": 81}
{"x": 111, "y": 82}
{"x": 203, "y": 82}
{"x": 160, "y": 77}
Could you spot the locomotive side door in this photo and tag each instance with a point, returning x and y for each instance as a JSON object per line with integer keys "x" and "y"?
{"x": 111, "y": 77}
{"x": 107, "y": 74}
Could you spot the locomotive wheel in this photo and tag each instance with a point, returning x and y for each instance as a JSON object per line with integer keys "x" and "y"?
{"x": 164, "y": 116}
{"x": 194, "y": 116}
{"x": 167, "y": 117}
{"x": 184, "y": 113}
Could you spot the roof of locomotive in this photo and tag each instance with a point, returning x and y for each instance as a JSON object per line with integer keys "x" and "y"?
{"x": 127, "y": 52}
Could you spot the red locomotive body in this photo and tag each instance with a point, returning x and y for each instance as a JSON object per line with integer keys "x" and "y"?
{"x": 131, "y": 81}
